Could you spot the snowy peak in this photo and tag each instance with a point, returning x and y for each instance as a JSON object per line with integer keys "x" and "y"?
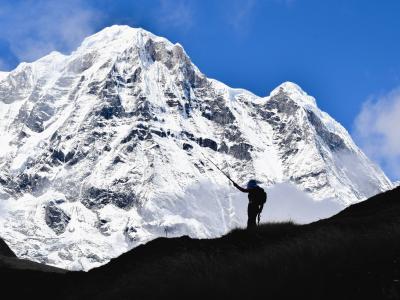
{"x": 289, "y": 94}
{"x": 121, "y": 39}
{"x": 97, "y": 57}
{"x": 295, "y": 92}
{"x": 119, "y": 36}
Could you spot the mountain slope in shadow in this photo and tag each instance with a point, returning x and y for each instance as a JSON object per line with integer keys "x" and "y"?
{"x": 352, "y": 255}
{"x": 5, "y": 250}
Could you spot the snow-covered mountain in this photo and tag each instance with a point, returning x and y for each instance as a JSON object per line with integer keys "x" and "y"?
{"x": 104, "y": 149}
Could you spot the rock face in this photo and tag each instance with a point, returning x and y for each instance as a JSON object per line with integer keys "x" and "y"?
{"x": 104, "y": 149}
{"x": 56, "y": 218}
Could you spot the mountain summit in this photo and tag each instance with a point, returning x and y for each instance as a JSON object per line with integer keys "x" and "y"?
{"x": 103, "y": 149}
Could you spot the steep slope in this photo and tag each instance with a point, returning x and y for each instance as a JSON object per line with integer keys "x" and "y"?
{"x": 104, "y": 149}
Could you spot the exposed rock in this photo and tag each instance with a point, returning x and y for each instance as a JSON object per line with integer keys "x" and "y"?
{"x": 207, "y": 143}
{"x": 56, "y": 218}
{"x": 333, "y": 141}
{"x": 96, "y": 198}
{"x": 187, "y": 146}
{"x": 241, "y": 151}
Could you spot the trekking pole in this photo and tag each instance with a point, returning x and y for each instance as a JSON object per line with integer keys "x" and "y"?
{"x": 218, "y": 168}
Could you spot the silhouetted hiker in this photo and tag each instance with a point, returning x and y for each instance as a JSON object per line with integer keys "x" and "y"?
{"x": 257, "y": 198}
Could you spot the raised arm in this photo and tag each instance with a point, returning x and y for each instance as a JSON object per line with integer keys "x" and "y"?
{"x": 240, "y": 188}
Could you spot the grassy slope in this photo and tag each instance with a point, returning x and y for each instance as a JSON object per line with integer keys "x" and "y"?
{"x": 5, "y": 250}
{"x": 353, "y": 255}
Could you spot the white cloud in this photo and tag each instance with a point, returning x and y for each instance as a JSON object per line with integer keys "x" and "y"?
{"x": 287, "y": 203}
{"x": 35, "y": 28}
{"x": 377, "y": 131}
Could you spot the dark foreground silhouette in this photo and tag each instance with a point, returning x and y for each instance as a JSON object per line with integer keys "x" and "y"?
{"x": 353, "y": 255}
{"x": 257, "y": 198}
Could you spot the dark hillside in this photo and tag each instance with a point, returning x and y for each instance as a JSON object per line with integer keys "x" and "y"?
{"x": 353, "y": 255}
{"x": 5, "y": 250}
{"x": 21, "y": 278}
{"x": 381, "y": 206}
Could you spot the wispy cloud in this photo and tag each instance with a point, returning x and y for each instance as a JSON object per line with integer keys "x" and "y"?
{"x": 176, "y": 13}
{"x": 3, "y": 65}
{"x": 287, "y": 202}
{"x": 34, "y": 28}
{"x": 377, "y": 130}
{"x": 239, "y": 15}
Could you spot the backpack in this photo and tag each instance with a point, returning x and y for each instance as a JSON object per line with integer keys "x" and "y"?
{"x": 259, "y": 197}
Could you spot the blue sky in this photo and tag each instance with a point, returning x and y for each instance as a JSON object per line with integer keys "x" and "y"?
{"x": 346, "y": 53}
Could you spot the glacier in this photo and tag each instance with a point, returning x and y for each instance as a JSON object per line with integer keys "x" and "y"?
{"x": 104, "y": 149}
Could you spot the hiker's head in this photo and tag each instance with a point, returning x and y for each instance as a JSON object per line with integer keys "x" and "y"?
{"x": 252, "y": 184}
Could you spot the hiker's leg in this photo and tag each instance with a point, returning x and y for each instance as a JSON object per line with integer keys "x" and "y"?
{"x": 251, "y": 216}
